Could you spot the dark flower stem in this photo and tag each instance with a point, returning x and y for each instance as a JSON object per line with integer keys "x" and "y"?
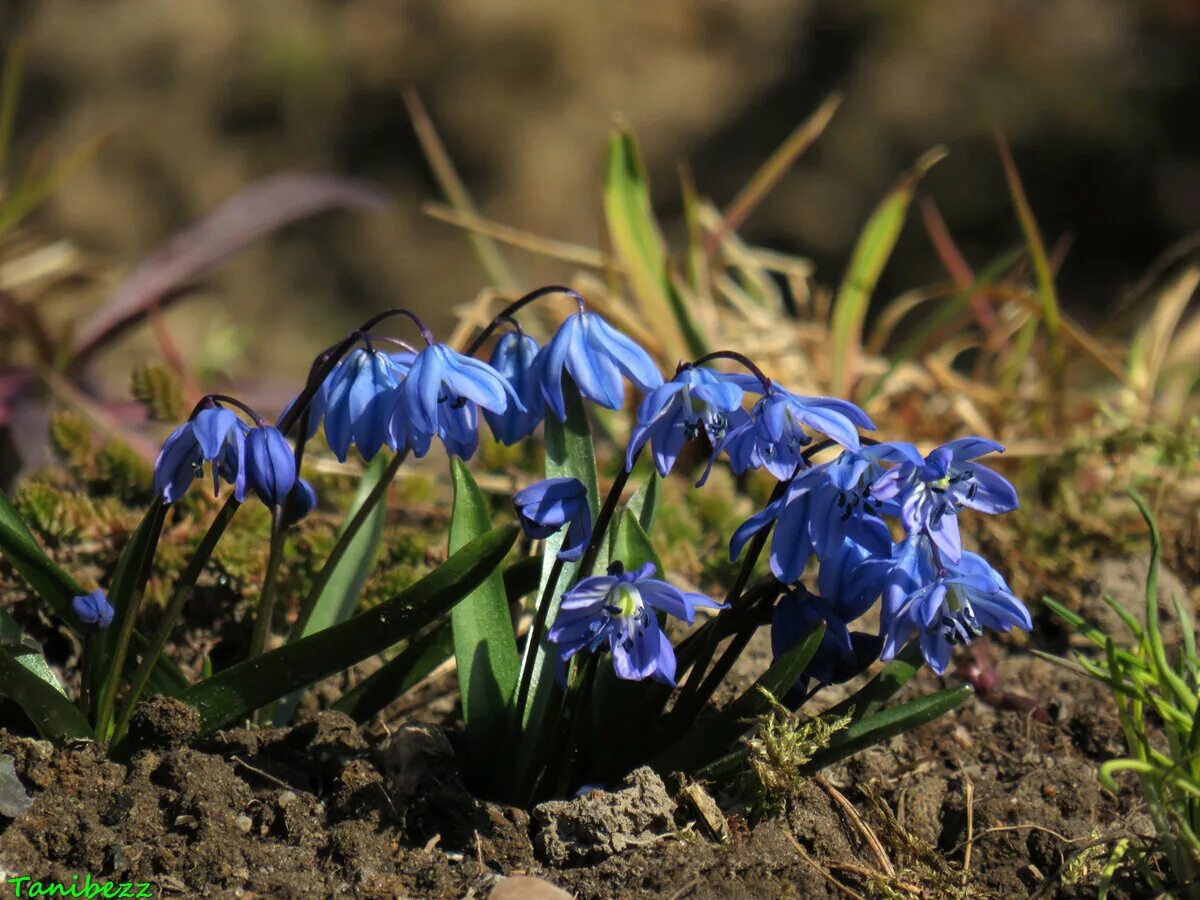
{"x": 266, "y": 600}
{"x": 576, "y": 703}
{"x": 207, "y": 402}
{"x": 739, "y": 358}
{"x": 588, "y": 561}
{"x": 536, "y": 632}
{"x": 182, "y": 593}
{"x": 508, "y": 311}
{"x": 343, "y": 543}
{"x": 116, "y": 662}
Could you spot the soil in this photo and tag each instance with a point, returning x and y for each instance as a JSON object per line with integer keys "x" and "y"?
{"x": 997, "y": 799}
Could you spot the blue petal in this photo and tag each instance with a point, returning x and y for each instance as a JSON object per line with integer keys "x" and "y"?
{"x": 993, "y": 492}
{"x": 211, "y": 426}
{"x": 270, "y": 465}
{"x": 630, "y": 358}
{"x": 177, "y": 462}
{"x": 967, "y": 448}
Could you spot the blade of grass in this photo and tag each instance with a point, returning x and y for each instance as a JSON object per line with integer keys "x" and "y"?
{"x": 27, "y": 654}
{"x": 10, "y": 94}
{"x": 515, "y": 237}
{"x": 490, "y": 258}
{"x": 871, "y": 253}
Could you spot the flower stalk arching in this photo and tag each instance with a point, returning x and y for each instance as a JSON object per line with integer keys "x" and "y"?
{"x": 508, "y": 312}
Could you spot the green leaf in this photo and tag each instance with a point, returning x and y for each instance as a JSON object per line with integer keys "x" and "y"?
{"x": 644, "y": 502}
{"x": 423, "y": 654}
{"x": 882, "y": 726}
{"x": 26, "y": 651}
{"x": 485, "y": 647}
{"x": 642, "y": 253}
{"x": 236, "y": 692}
{"x": 871, "y": 253}
{"x": 704, "y": 745}
{"x": 569, "y": 452}
{"x": 339, "y": 597}
{"x": 629, "y": 543}
{"x": 54, "y": 715}
{"x": 872, "y": 696}
{"x": 522, "y": 578}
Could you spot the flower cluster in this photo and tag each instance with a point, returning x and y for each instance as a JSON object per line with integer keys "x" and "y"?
{"x": 845, "y": 513}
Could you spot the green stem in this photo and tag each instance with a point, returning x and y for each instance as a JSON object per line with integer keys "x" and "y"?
{"x": 535, "y": 641}
{"x": 343, "y": 544}
{"x": 588, "y": 560}
{"x": 116, "y": 663}
{"x": 266, "y": 600}
{"x": 179, "y": 598}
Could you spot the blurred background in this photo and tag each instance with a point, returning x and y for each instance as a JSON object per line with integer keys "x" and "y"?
{"x": 198, "y": 100}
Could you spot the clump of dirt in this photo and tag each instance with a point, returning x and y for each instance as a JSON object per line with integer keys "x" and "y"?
{"x": 600, "y": 824}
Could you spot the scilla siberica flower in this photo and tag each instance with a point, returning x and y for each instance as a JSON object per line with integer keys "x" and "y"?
{"x": 772, "y": 434}
{"x": 214, "y": 435}
{"x": 596, "y": 356}
{"x": 930, "y": 493}
{"x": 513, "y": 357}
{"x": 93, "y": 609}
{"x": 825, "y": 506}
{"x": 357, "y": 399}
{"x": 270, "y": 465}
{"x": 944, "y": 605}
{"x": 617, "y": 611}
{"x": 849, "y": 583}
{"x": 301, "y": 500}
{"x": 695, "y": 399}
{"x": 432, "y": 401}
{"x": 547, "y": 506}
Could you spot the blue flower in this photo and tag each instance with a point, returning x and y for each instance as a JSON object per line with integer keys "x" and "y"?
{"x": 930, "y": 493}
{"x": 772, "y": 434}
{"x": 674, "y": 413}
{"x": 547, "y": 506}
{"x": 823, "y": 507}
{"x": 617, "y": 611}
{"x": 596, "y": 356}
{"x": 850, "y": 581}
{"x": 270, "y": 465}
{"x": 214, "y": 435}
{"x": 513, "y": 357}
{"x": 434, "y": 397}
{"x": 356, "y": 400}
{"x": 93, "y": 609}
{"x": 301, "y": 500}
{"x": 944, "y": 606}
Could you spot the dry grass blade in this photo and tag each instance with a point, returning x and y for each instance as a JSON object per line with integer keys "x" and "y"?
{"x": 778, "y": 163}
{"x": 1043, "y": 274}
{"x": 515, "y": 237}
{"x": 489, "y": 255}
{"x": 1152, "y": 343}
{"x": 829, "y": 879}
{"x": 956, "y": 264}
{"x": 10, "y": 91}
{"x": 860, "y": 826}
{"x": 203, "y": 245}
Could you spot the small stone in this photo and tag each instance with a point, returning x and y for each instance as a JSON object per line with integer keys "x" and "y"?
{"x": 13, "y": 799}
{"x": 285, "y": 797}
{"x": 243, "y": 824}
{"x": 526, "y": 887}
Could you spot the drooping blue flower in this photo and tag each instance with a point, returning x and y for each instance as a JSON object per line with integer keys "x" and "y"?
{"x": 214, "y": 435}
{"x": 432, "y": 401}
{"x": 547, "y": 506}
{"x": 356, "y": 401}
{"x": 270, "y": 465}
{"x": 513, "y": 357}
{"x": 93, "y": 609}
{"x": 695, "y": 399}
{"x": 930, "y": 493}
{"x": 617, "y": 611}
{"x": 596, "y": 356}
{"x": 301, "y": 500}
{"x": 944, "y": 606}
{"x": 772, "y": 435}
{"x": 850, "y": 581}
{"x": 823, "y": 507}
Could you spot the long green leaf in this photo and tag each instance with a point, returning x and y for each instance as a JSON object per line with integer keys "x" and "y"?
{"x": 485, "y": 646}
{"x": 239, "y": 690}
{"x": 703, "y": 746}
{"x": 398, "y": 676}
{"x": 630, "y": 544}
{"x": 872, "y": 696}
{"x": 53, "y": 714}
{"x": 644, "y": 502}
{"x": 569, "y": 452}
{"x": 887, "y": 724}
{"x": 871, "y": 253}
{"x": 639, "y": 246}
{"x": 26, "y": 653}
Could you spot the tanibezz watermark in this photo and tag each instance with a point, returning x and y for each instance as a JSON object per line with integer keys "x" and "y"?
{"x": 26, "y": 886}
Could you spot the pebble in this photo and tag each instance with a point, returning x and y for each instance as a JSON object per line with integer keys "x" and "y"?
{"x": 526, "y": 887}
{"x": 243, "y": 824}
